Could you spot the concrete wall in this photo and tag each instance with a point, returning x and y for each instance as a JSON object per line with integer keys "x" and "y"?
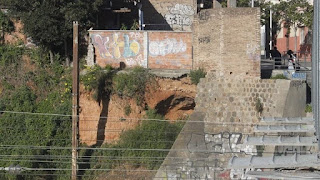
{"x": 169, "y": 15}
{"x": 227, "y": 40}
{"x": 149, "y": 49}
{"x": 295, "y": 100}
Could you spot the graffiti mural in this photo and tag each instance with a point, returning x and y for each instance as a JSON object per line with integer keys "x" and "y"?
{"x": 179, "y": 14}
{"x": 197, "y": 169}
{"x": 170, "y": 50}
{"x": 215, "y": 143}
{"x": 156, "y": 50}
{"x": 116, "y": 47}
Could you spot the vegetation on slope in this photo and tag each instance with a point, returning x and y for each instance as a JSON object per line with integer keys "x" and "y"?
{"x": 139, "y": 147}
{"x": 30, "y": 83}
{"x": 40, "y": 89}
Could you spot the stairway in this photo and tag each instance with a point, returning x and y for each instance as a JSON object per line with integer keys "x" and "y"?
{"x": 292, "y": 139}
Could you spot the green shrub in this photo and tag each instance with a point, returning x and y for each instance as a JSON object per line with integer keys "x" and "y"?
{"x": 259, "y": 105}
{"x": 90, "y": 79}
{"x": 99, "y": 81}
{"x": 127, "y": 110}
{"x": 196, "y": 75}
{"x": 108, "y": 67}
{"x": 43, "y": 88}
{"x": 132, "y": 84}
{"x": 308, "y": 108}
{"x": 135, "y": 25}
{"x": 10, "y": 54}
{"x": 150, "y": 134}
{"x": 279, "y": 76}
{"x": 6, "y": 25}
{"x": 152, "y": 114}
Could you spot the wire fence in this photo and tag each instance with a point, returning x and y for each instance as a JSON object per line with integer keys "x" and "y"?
{"x": 112, "y": 156}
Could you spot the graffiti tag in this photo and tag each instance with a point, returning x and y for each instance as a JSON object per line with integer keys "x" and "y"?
{"x": 204, "y": 15}
{"x": 215, "y": 143}
{"x": 253, "y": 52}
{"x": 179, "y": 14}
{"x": 166, "y": 46}
{"x": 204, "y": 40}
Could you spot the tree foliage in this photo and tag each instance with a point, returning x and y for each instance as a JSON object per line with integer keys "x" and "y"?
{"x": 6, "y": 25}
{"x": 49, "y": 23}
{"x": 294, "y": 12}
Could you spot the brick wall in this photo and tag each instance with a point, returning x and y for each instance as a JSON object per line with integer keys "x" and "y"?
{"x": 169, "y": 50}
{"x": 227, "y": 40}
{"x": 155, "y": 50}
{"x": 169, "y": 15}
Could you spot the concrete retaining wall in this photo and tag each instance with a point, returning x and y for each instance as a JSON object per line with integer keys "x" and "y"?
{"x": 226, "y": 112}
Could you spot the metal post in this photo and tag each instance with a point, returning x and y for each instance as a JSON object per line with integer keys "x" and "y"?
{"x": 142, "y": 21}
{"x": 252, "y": 3}
{"x": 315, "y": 68}
{"x": 75, "y": 100}
{"x": 270, "y": 44}
{"x": 140, "y": 24}
{"x": 140, "y": 16}
{"x": 295, "y": 40}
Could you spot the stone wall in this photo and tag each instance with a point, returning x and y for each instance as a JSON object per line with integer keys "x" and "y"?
{"x": 225, "y": 113}
{"x": 170, "y": 15}
{"x": 227, "y": 40}
{"x": 149, "y": 49}
{"x": 234, "y": 100}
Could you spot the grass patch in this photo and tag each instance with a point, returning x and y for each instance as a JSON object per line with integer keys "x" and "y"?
{"x": 308, "y": 108}
{"x": 196, "y": 75}
{"x": 279, "y": 76}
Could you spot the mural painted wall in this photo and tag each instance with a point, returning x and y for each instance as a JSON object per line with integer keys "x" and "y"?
{"x": 155, "y": 50}
{"x": 113, "y": 47}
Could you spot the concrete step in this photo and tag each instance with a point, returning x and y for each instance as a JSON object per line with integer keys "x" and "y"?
{"x": 292, "y": 128}
{"x": 280, "y": 141}
{"x": 290, "y": 161}
{"x": 286, "y": 120}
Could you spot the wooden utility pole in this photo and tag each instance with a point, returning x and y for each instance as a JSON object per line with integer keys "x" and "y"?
{"x": 75, "y": 100}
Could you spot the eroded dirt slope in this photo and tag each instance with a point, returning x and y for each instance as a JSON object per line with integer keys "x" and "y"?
{"x": 172, "y": 98}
